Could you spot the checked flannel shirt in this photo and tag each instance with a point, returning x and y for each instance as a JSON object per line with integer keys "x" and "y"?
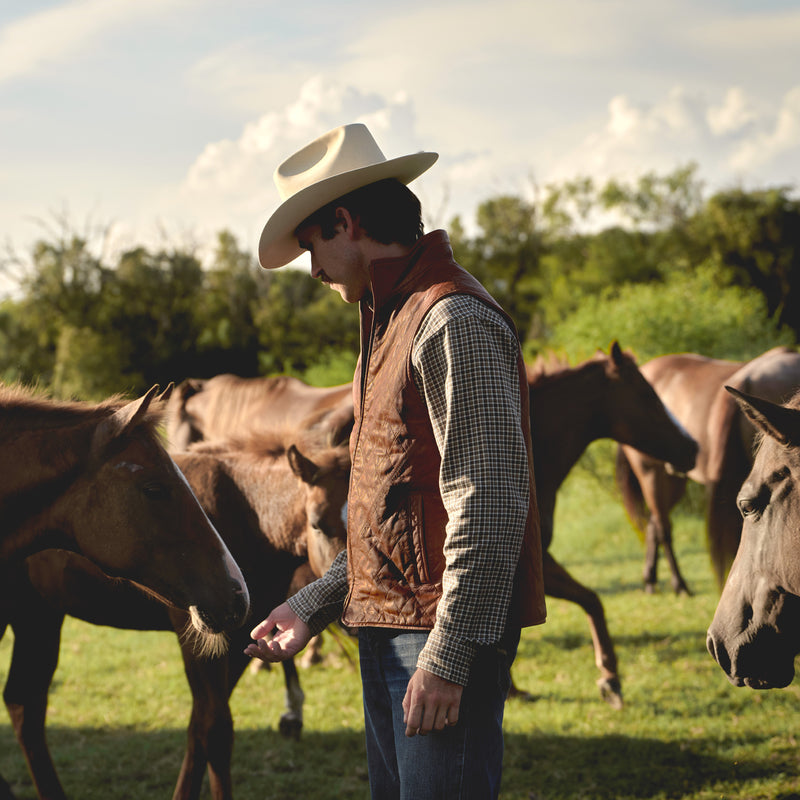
{"x": 465, "y": 365}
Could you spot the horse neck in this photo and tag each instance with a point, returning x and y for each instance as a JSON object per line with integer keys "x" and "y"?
{"x": 565, "y": 420}
{"x": 37, "y": 467}
{"x": 277, "y": 497}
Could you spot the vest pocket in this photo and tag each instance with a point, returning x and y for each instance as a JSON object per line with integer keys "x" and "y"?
{"x": 417, "y": 535}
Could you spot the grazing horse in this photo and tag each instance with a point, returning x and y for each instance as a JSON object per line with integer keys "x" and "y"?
{"x": 95, "y": 479}
{"x": 276, "y": 508}
{"x": 226, "y": 405}
{"x": 755, "y": 633}
{"x": 691, "y": 386}
{"x": 605, "y": 397}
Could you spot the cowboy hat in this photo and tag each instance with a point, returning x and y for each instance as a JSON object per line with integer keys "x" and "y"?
{"x": 336, "y": 163}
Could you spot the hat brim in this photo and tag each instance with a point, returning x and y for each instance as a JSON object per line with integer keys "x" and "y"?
{"x": 278, "y": 245}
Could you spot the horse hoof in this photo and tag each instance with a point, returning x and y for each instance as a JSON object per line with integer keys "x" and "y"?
{"x": 649, "y": 588}
{"x": 683, "y": 590}
{"x": 290, "y": 727}
{"x": 611, "y": 691}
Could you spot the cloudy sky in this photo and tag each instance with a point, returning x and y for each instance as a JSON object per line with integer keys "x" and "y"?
{"x": 166, "y": 118}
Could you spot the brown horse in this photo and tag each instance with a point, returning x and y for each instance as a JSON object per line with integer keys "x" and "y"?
{"x": 687, "y": 383}
{"x": 691, "y": 386}
{"x": 755, "y": 633}
{"x": 226, "y": 405}
{"x": 605, "y": 397}
{"x": 95, "y": 479}
{"x": 275, "y": 507}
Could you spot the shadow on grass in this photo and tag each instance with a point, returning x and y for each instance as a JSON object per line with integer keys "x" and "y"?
{"x": 129, "y": 765}
{"x": 614, "y": 767}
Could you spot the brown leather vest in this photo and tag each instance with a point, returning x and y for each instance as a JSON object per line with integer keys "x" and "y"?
{"x": 396, "y": 518}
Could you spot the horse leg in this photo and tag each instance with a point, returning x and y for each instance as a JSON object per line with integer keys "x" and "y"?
{"x": 291, "y": 723}
{"x": 210, "y": 734}
{"x": 312, "y": 653}
{"x": 662, "y": 492}
{"x": 33, "y": 663}
{"x": 560, "y": 584}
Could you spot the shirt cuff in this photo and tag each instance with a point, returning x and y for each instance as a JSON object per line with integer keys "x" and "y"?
{"x": 447, "y": 659}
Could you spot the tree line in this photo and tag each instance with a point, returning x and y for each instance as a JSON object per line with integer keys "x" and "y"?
{"x": 654, "y": 263}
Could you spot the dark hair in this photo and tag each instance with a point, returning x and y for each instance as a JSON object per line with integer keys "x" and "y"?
{"x": 387, "y": 210}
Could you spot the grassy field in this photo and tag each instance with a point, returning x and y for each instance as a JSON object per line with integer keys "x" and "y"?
{"x": 120, "y": 704}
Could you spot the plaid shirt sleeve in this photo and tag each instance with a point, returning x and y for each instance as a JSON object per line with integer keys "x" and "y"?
{"x": 465, "y": 362}
{"x": 320, "y": 603}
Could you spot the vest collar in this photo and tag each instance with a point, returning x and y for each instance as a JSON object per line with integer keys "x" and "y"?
{"x": 389, "y": 276}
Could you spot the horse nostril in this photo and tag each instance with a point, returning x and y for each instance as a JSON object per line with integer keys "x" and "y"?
{"x": 719, "y": 653}
{"x": 241, "y": 606}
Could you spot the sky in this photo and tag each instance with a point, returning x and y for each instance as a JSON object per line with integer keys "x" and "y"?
{"x": 162, "y": 121}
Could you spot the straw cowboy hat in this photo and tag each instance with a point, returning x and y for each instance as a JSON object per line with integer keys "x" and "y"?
{"x": 339, "y": 162}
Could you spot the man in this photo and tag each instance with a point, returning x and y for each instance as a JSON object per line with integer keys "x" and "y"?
{"x": 443, "y": 560}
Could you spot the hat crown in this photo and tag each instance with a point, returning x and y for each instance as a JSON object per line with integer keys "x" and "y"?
{"x": 341, "y": 150}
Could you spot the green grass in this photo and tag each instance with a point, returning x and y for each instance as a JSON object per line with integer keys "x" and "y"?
{"x": 120, "y": 704}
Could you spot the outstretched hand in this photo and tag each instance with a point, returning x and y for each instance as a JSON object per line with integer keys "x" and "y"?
{"x": 430, "y": 703}
{"x": 289, "y": 636}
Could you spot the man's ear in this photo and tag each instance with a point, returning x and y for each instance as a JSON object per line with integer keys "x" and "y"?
{"x": 347, "y": 222}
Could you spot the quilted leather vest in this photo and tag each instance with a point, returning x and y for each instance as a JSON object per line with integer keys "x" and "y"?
{"x": 396, "y": 518}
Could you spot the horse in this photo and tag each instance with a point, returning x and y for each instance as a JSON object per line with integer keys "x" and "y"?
{"x": 213, "y": 408}
{"x": 773, "y": 376}
{"x": 95, "y": 479}
{"x": 277, "y": 507}
{"x": 691, "y": 386}
{"x": 755, "y": 632}
{"x": 604, "y": 397}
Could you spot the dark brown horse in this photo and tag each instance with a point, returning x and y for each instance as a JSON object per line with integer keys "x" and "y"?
{"x": 276, "y": 508}
{"x": 226, "y": 405}
{"x": 95, "y": 479}
{"x": 691, "y": 386}
{"x": 605, "y": 397}
{"x": 755, "y": 633}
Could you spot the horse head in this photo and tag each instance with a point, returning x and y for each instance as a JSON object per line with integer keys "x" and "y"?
{"x": 637, "y": 416}
{"x": 135, "y": 516}
{"x": 755, "y": 633}
{"x": 326, "y": 475}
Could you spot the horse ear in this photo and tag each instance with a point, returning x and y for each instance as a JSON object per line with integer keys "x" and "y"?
{"x": 165, "y": 395}
{"x": 303, "y": 467}
{"x": 122, "y": 420}
{"x": 779, "y": 422}
{"x": 616, "y": 353}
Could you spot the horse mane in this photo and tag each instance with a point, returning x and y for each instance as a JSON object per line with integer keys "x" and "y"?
{"x": 551, "y": 365}
{"x": 265, "y": 443}
{"x": 36, "y": 407}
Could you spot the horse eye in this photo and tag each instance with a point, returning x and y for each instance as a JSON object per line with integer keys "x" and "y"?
{"x": 155, "y": 491}
{"x": 753, "y": 506}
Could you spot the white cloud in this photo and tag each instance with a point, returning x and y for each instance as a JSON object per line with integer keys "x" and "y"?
{"x": 734, "y": 139}
{"x": 734, "y": 114}
{"x": 769, "y": 147}
{"x": 60, "y": 32}
{"x": 230, "y": 183}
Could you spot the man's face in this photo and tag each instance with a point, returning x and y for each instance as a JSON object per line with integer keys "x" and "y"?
{"x": 337, "y": 261}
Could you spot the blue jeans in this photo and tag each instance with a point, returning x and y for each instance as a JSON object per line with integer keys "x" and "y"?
{"x": 463, "y": 762}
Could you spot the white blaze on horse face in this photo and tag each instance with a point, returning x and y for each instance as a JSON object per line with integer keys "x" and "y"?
{"x": 129, "y": 466}
{"x": 231, "y": 566}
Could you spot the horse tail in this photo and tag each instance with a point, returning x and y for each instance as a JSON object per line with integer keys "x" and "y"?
{"x": 631, "y": 492}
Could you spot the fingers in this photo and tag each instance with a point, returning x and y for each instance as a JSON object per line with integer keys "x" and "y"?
{"x": 263, "y": 629}
{"x": 430, "y": 704}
